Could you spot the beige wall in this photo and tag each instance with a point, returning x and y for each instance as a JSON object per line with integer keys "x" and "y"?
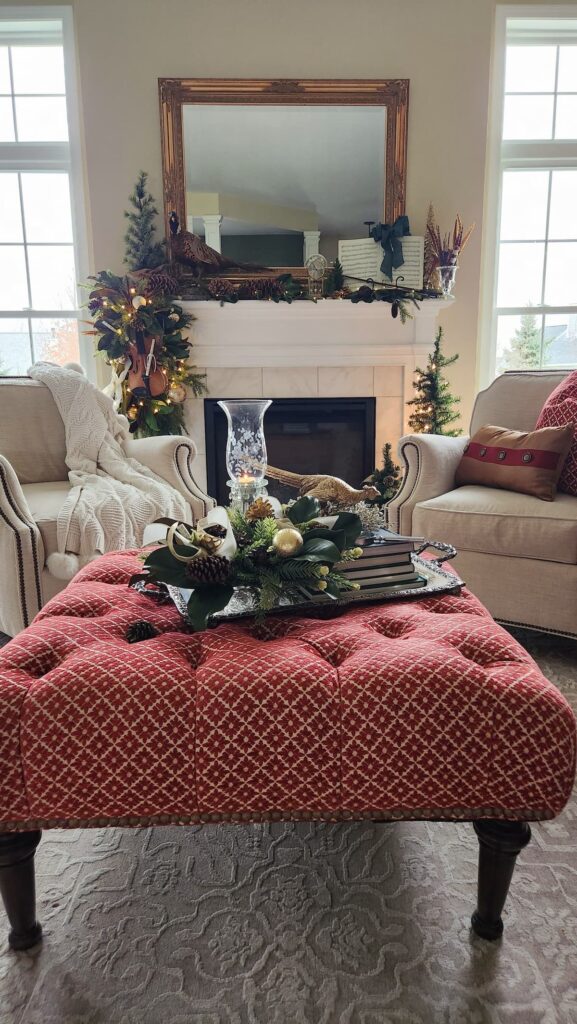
{"x": 442, "y": 46}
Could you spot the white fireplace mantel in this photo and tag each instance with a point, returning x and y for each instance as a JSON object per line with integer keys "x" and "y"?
{"x": 330, "y": 332}
{"x": 328, "y": 349}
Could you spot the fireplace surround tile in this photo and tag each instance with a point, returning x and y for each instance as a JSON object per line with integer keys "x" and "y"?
{"x": 346, "y": 381}
{"x": 290, "y": 381}
{"x": 389, "y": 381}
{"x": 235, "y": 382}
{"x": 388, "y": 423}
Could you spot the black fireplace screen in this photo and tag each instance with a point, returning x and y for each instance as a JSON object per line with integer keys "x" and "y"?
{"x": 306, "y": 435}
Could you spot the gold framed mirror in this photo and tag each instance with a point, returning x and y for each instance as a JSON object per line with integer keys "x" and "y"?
{"x": 269, "y": 172}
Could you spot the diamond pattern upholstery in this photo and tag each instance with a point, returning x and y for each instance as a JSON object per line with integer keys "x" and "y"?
{"x": 421, "y": 709}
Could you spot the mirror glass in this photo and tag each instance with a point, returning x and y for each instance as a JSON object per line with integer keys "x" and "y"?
{"x": 274, "y": 184}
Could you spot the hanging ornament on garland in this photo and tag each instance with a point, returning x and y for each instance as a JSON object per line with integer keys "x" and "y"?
{"x": 177, "y": 394}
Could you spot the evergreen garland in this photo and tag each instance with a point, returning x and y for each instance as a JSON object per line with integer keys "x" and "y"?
{"x": 335, "y": 279}
{"x": 142, "y": 252}
{"x": 126, "y": 313}
{"x": 434, "y": 405}
{"x": 309, "y": 572}
{"x": 387, "y": 480}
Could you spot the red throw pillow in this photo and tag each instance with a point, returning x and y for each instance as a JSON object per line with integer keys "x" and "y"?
{"x": 559, "y": 410}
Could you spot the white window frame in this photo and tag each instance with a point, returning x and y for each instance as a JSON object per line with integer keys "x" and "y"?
{"x": 57, "y": 156}
{"x": 508, "y": 155}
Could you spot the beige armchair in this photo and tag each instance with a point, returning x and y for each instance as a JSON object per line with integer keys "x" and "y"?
{"x": 34, "y": 484}
{"x": 517, "y": 553}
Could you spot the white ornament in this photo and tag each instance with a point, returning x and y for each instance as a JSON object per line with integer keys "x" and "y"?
{"x": 138, "y": 301}
{"x": 177, "y": 394}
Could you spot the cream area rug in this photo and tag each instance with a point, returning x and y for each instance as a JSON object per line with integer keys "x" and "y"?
{"x": 298, "y": 924}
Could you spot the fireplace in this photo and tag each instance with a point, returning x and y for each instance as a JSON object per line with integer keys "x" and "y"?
{"x": 306, "y": 435}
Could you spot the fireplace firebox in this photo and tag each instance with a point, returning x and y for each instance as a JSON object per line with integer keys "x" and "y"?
{"x": 306, "y": 435}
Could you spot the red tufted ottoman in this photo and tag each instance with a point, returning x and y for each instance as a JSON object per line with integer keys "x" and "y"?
{"x": 420, "y": 709}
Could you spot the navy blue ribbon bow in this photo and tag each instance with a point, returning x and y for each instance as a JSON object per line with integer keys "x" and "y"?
{"x": 389, "y": 235}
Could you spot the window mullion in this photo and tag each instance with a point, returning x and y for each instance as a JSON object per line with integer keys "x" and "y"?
{"x": 26, "y": 264}
{"x": 12, "y": 93}
{"x": 555, "y": 93}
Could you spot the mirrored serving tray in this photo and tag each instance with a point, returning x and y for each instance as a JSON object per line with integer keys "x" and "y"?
{"x": 242, "y": 603}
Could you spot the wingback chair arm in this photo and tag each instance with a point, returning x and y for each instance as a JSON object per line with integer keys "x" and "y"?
{"x": 21, "y": 554}
{"x": 171, "y": 457}
{"x": 430, "y": 462}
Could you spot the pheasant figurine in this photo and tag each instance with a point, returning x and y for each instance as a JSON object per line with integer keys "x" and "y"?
{"x": 323, "y": 488}
{"x": 191, "y": 250}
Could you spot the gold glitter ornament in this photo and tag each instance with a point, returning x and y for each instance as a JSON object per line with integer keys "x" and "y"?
{"x": 132, "y": 412}
{"x": 287, "y": 542}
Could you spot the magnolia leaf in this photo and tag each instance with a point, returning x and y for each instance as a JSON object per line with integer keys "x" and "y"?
{"x": 303, "y": 510}
{"x": 337, "y": 537}
{"x": 319, "y": 550}
{"x": 351, "y": 525}
{"x": 205, "y": 601}
{"x": 160, "y": 562}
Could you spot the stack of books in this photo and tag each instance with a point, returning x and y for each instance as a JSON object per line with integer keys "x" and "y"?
{"x": 385, "y": 562}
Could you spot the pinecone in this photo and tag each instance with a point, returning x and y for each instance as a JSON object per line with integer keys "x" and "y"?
{"x": 221, "y": 289}
{"x": 140, "y": 630}
{"x": 161, "y": 282}
{"x": 208, "y": 569}
{"x": 260, "y": 509}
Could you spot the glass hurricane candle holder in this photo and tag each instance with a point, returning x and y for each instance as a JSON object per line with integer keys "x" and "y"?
{"x": 246, "y": 457}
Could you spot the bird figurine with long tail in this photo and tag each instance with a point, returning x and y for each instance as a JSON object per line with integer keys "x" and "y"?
{"x": 324, "y": 488}
{"x": 193, "y": 252}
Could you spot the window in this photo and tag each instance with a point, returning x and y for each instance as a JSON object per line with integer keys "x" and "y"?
{"x": 40, "y": 251}
{"x": 534, "y": 276}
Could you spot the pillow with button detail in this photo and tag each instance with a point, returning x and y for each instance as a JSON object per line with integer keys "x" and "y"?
{"x": 529, "y": 463}
{"x": 561, "y": 409}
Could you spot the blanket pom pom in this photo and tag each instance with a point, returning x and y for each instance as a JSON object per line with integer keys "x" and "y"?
{"x": 62, "y": 566}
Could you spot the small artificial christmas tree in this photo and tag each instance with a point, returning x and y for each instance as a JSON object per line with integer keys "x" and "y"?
{"x": 387, "y": 479}
{"x": 434, "y": 405}
{"x": 335, "y": 279}
{"x": 142, "y": 252}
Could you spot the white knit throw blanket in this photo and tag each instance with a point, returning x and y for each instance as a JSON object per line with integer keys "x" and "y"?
{"x": 112, "y": 498}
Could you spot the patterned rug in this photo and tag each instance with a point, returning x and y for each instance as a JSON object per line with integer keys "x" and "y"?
{"x": 299, "y": 924}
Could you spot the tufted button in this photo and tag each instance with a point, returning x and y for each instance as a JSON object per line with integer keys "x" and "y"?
{"x": 527, "y": 456}
{"x": 502, "y": 455}
{"x": 483, "y": 451}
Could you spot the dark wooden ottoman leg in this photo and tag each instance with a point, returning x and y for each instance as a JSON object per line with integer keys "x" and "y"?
{"x": 17, "y": 887}
{"x": 499, "y": 844}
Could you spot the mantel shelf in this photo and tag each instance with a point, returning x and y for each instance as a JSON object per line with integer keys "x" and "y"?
{"x": 331, "y": 332}
{"x": 249, "y": 309}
